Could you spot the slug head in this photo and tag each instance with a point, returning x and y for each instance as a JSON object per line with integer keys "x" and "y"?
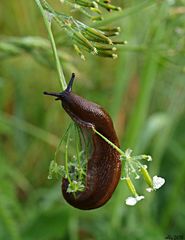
{"x": 61, "y": 95}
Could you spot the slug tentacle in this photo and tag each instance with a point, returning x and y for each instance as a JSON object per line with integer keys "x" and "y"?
{"x": 70, "y": 84}
{"x": 104, "y": 165}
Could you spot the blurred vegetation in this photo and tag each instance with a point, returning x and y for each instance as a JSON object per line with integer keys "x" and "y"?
{"x": 144, "y": 91}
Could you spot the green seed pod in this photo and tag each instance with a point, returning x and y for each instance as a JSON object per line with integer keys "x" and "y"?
{"x": 109, "y": 6}
{"x": 96, "y": 18}
{"x": 96, "y": 10}
{"x": 131, "y": 186}
{"x": 100, "y": 46}
{"x": 147, "y": 176}
{"x": 93, "y": 33}
{"x": 107, "y": 54}
{"x": 84, "y": 41}
{"x": 84, "y": 3}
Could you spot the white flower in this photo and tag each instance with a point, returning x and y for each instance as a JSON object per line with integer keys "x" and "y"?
{"x": 139, "y": 198}
{"x": 157, "y": 183}
{"x": 131, "y": 201}
{"x": 149, "y": 158}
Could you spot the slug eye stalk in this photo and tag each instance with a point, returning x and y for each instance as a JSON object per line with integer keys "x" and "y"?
{"x": 60, "y": 95}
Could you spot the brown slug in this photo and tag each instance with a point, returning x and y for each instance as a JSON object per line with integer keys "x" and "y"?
{"x": 104, "y": 165}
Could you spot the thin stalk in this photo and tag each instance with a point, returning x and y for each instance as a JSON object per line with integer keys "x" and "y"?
{"x": 47, "y": 22}
{"x": 66, "y": 159}
{"x": 109, "y": 142}
{"x": 84, "y": 141}
{"x": 60, "y": 143}
{"x": 77, "y": 136}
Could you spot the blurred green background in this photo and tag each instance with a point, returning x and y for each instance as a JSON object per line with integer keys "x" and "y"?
{"x": 144, "y": 91}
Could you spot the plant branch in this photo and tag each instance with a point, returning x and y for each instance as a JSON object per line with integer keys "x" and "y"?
{"x": 47, "y": 21}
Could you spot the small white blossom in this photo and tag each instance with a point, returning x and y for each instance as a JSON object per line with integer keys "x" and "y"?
{"x": 157, "y": 183}
{"x": 139, "y": 198}
{"x": 149, "y": 158}
{"x": 131, "y": 201}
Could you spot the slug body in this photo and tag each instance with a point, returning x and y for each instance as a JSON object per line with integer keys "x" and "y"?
{"x": 104, "y": 165}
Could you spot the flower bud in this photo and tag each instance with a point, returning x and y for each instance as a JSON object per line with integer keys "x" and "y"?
{"x": 78, "y": 36}
{"x": 96, "y": 34}
{"x": 131, "y": 186}
{"x": 109, "y": 6}
{"x": 147, "y": 176}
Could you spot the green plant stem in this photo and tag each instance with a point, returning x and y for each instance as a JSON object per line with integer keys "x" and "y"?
{"x": 53, "y": 45}
{"x": 77, "y": 136}
{"x": 66, "y": 159}
{"x": 109, "y": 142}
{"x": 61, "y": 141}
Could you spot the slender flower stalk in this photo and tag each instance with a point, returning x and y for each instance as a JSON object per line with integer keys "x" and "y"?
{"x": 47, "y": 20}
{"x": 146, "y": 176}
{"x": 133, "y": 166}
